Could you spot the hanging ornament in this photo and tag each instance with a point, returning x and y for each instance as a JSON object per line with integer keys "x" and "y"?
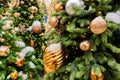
{"x": 101, "y": 77}
{"x": 42, "y": 48}
{"x": 93, "y": 76}
{"x": 85, "y": 45}
{"x": 11, "y": 22}
{"x": 113, "y": 17}
{"x": 16, "y": 14}
{"x": 14, "y": 75}
{"x": 6, "y": 27}
{"x": 36, "y": 27}
{"x": 31, "y": 0}
{"x": 73, "y": 3}
{"x": 2, "y": 40}
{"x": 98, "y": 25}
{"x": 4, "y": 51}
{"x": 32, "y": 44}
{"x": 22, "y": 2}
{"x": 33, "y": 9}
{"x": 58, "y": 6}
{"x": 31, "y": 16}
{"x": 53, "y": 57}
{"x": 20, "y": 62}
{"x": 13, "y": 3}
{"x": 53, "y": 21}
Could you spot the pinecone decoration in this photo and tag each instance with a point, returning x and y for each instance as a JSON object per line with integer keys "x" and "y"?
{"x": 53, "y": 57}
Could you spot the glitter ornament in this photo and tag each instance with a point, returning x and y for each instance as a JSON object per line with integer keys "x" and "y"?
{"x": 93, "y": 76}
{"x": 16, "y": 14}
{"x": 4, "y": 51}
{"x": 36, "y": 27}
{"x": 33, "y": 9}
{"x": 6, "y": 27}
{"x": 73, "y": 3}
{"x": 31, "y": 16}
{"x": 85, "y": 45}
{"x": 22, "y": 2}
{"x": 53, "y": 57}
{"x": 14, "y": 75}
{"x": 58, "y": 7}
{"x": 98, "y": 25}
{"x": 53, "y": 21}
{"x": 2, "y": 40}
{"x": 20, "y": 62}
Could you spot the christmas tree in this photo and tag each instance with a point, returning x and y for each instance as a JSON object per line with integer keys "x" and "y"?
{"x": 21, "y": 40}
{"x": 89, "y": 33}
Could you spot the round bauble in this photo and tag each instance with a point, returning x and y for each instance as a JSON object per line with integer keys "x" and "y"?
{"x": 98, "y": 25}
{"x": 53, "y": 21}
{"x": 4, "y": 51}
{"x": 36, "y": 29}
{"x": 73, "y": 3}
{"x": 2, "y": 40}
{"x": 42, "y": 48}
{"x": 31, "y": 0}
{"x": 58, "y": 7}
{"x": 36, "y": 23}
{"x": 22, "y": 2}
{"x": 33, "y": 9}
{"x": 85, "y": 45}
{"x": 16, "y": 14}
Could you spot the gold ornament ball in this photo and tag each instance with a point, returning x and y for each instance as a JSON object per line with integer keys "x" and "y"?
{"x": 36, "y": 29}
{"x": 22, "y": 2}
{"x": 58, "y": 7}
{"x": 14, "y": 75}
{"x": 98, "y": 25}
{"x": 31, "y": 0}
{"x": 42, "y": 48}
{"x": 16, "y": 14}
{"x": 4, "y": 51}
{"x": 20, "y": 62}
{"x": 53, "y": 21}
{"x": 2, "y": 40}
{"x": 33, "y": 9}
{"x": 85, "y": 45}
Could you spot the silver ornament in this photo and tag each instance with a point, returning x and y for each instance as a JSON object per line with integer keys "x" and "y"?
{"x": 73, "y": 3}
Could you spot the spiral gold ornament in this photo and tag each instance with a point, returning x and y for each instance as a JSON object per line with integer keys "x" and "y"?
{"x": 53, "y": 57}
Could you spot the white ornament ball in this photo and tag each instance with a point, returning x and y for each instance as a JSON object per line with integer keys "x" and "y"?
{"x": 73, "y": 3}
{"x": 36, "y": 23}
{"x": 113, "y": 17}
